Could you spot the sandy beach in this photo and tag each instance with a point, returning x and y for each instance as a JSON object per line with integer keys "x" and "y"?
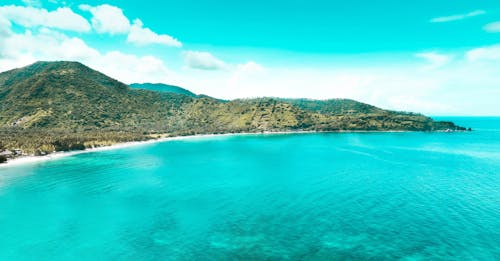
{"x": 60, "y": 154}
{"x": 57, "y": 155}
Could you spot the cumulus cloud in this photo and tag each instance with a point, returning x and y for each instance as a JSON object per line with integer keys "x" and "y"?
{"x": 434, "y": 59}
{"x": 62, "y": 18}
{"x": 467, "y": 79}
{"x": 111, "y": 20}
{"x": 457, "y": 17}
{"x": 35, "y": 3}
{"x": 5, "y": 26}
{"x": 144, "y": 36}
{"x": 488, "y": 53}
{"x": 203, "y": 61}
{"x": 250, "y": 67}
{"x": 21, "y": 49}
{"x": 44, "y": 39}
{"x": 108, "y": 19}
{"x": 5, "y": 32}
{"x": 245, "y": 73}
{"x": 28, "y": 47}
{"x": 492, "y": 27}
{"x": 130, "y": 68}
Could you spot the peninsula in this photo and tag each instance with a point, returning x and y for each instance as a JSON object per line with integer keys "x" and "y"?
{"x": 62, "y": 106}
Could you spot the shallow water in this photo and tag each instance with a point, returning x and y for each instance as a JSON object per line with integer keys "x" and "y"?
{"x": 414, "y": 196}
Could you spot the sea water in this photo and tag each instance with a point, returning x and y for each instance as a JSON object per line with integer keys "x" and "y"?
{"x": 377, "y": 196}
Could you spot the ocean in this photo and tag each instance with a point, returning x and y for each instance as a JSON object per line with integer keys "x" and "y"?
{"x": 316, "y": 196}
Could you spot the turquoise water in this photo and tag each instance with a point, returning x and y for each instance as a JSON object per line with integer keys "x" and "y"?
{"x": 410, "y": 196}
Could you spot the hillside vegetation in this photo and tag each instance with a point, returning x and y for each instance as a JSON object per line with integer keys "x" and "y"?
{"x": 160, "y": 87}
{"x": 53, "y": 106}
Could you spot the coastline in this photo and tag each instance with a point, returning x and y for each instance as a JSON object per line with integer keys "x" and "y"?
{"x": 61, "y": 154}
{"x": 21, "y": 160}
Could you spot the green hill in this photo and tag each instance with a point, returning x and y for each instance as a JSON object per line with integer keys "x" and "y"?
{"x": 160, "y": 87}
{"x": 51, "y": 106}
{"x": 334, "y": 106}
{"x": 69, "y": 95}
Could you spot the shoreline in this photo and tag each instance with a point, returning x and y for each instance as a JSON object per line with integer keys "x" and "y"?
{"x": 21, "y": 160}
{"x": 61, "y": 154}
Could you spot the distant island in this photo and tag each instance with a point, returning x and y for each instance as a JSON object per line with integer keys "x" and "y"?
{"x": 62, "y": 106}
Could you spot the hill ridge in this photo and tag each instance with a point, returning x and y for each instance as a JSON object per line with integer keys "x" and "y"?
{"x": 162, "y": 87}
{"x": 51, "y": 106}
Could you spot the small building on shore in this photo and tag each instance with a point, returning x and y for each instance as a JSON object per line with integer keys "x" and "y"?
{"x": 6, "y": 153}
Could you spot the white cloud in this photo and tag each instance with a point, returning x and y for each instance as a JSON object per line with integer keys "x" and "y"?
{"x": 62, "y": 18}
{"x": 47, "y": 45}
{"x": 457, "y": 17}
{"x": 488, "y": 53}
{"x": 245, "y": 73}
{"x": 463, "y": 86}
{"x": 492, "y": 27}
{"x": 40, "y": 41}
{"x": 21, "y": 49}
{"x": 203, "y": 61}
{"x": 435, "y": 60}
{"x": 144, "y": 36}
{"x": 35, "y": 3}
{"x": 5, "y": 27}
{"x": 417, "y": 104}
{"x": 250, "y": 68}
{"x": 108, "y": 19}
{"x": 5, "y": 32}
{"x": 131, "y": 68}
{"x": 467, "y": 85}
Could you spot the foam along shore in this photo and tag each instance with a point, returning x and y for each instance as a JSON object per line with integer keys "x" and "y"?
{"x": 21, "y": 160}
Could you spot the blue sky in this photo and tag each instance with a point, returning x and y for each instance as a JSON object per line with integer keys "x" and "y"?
{"x": 438, "y": 57}
{"x": 307, "y": 26}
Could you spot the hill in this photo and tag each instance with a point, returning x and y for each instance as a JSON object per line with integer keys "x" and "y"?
{"x": 334, "y": 106}
{"x": 53, "y": 106}
{"x": 69, "y": 95}
{"x": 160, "y": 87}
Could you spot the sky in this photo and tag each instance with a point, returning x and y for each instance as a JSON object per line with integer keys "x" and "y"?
{"x": 438, "y": 57}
